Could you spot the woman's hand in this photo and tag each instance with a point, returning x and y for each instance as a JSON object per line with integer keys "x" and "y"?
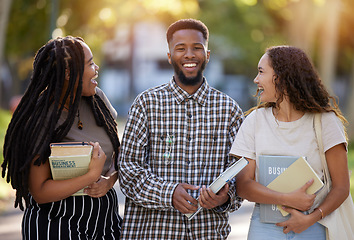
{"x": 299, "y": 199}
{"x": 101, "y": 187}
{"x": 248, "y": 188}
{"x": 298, "y": 222}
{"x": 97, "y": 161}
{"x": 338, "y": 167}
{"x": 44, "y": 189}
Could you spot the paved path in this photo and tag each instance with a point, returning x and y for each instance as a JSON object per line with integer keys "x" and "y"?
{"x": 10, "y": 220}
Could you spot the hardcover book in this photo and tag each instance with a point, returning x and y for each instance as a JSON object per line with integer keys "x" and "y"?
{"x": 271, "y": 167}
{"x": 69, "y": 160}
{"x": 284, "y": 174}
{"x": 294, "y": 177}
{"x": 222, "y": 179}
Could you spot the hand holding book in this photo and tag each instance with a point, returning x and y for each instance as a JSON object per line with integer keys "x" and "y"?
{"x": 290, "y": 175}
{"x": 222, "y": 179}
{"x": 209, "y": 200}
{"x": 97, "y": 160}
{"x": 299, "y": 177}
{"x": 73, "y": 159}
{"x": 301, "y": 199}
{"x": 182, "y": 201}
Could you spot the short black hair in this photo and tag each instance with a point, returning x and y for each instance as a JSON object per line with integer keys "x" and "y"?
{"x": 187, "y": 24}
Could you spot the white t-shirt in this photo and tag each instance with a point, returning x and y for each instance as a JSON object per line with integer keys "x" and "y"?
{"x": 262, "y": 134}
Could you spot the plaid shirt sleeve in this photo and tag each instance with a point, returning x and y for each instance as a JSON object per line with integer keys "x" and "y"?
{"x": 235, "y": 201}
{"x": 136, "y": 179}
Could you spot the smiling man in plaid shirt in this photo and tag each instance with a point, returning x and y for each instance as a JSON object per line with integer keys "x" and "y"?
{"x": 176, "y": 142}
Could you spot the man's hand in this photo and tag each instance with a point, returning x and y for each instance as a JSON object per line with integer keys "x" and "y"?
{"x": 209, "y": 200}
{"x": 182, "y": 201}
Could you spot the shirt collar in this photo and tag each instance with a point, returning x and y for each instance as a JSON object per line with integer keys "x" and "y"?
{"x": 199, "y": 96}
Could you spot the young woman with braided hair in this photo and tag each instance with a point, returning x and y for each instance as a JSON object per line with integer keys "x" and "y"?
{"x": 63, "y": 104}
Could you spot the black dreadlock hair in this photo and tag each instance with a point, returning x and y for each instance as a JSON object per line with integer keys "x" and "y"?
{"x": 41, "y": 106}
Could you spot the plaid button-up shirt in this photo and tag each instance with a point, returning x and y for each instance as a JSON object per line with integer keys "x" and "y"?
{"x": 172, "y": 137}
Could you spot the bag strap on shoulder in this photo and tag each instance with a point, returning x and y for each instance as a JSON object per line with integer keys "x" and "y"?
{"x": 318, "y": 132}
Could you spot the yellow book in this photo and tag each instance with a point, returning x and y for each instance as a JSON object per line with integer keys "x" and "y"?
{"x": 294, "y": 177}
{"x": 70, "y": 159}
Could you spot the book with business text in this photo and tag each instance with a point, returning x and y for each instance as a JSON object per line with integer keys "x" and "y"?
{"x": 69, "y": 159}
{"x": 222, "y": 179}
{"x": 294, "y": 177}
{"x": 284, "y": 174}
{"x": 270, "y": 167}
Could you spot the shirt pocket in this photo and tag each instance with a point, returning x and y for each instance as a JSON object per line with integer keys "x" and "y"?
{"x": 215, "y": 147}
{"x": 161, "y": 148}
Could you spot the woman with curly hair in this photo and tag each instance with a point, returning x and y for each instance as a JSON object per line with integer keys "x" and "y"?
{"x": 63, "y": 104}
{"x": 291, "y": 93}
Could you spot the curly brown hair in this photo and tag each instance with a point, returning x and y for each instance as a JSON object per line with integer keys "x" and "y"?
{"x": 298, "y": 80}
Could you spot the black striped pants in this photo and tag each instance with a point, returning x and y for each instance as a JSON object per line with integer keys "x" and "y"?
{"x": 79, "y": 217}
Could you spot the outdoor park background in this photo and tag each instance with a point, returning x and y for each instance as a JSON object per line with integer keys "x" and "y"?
{"x": 128, "y": 42}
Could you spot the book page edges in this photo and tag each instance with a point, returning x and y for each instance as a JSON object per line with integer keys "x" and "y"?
{"x": 71, "y": 160}
{"x": 71, "y": 150}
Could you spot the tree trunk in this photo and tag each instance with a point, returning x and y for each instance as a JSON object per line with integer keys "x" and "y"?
{"x": 308, "y": 20}
{"x": 301, "y": 29}
{"x": 329, "y": 43}
{"x": 350, "y": 105}
{"x": 4, "y": 17}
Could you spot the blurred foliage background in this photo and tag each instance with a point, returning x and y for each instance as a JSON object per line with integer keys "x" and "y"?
{"x": 240, "y": 31}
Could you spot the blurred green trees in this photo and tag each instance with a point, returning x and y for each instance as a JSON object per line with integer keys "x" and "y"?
{"x": 5, "y": 117}
{"x": 240, "y": 31}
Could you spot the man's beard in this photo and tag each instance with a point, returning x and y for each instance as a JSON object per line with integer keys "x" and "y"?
{"x": 191, "y": 81}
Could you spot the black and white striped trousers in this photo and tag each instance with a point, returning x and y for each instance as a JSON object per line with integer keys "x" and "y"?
{"x": 79, "y": 217}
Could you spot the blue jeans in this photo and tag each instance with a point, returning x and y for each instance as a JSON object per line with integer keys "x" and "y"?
{"x": 269, "y": 231}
